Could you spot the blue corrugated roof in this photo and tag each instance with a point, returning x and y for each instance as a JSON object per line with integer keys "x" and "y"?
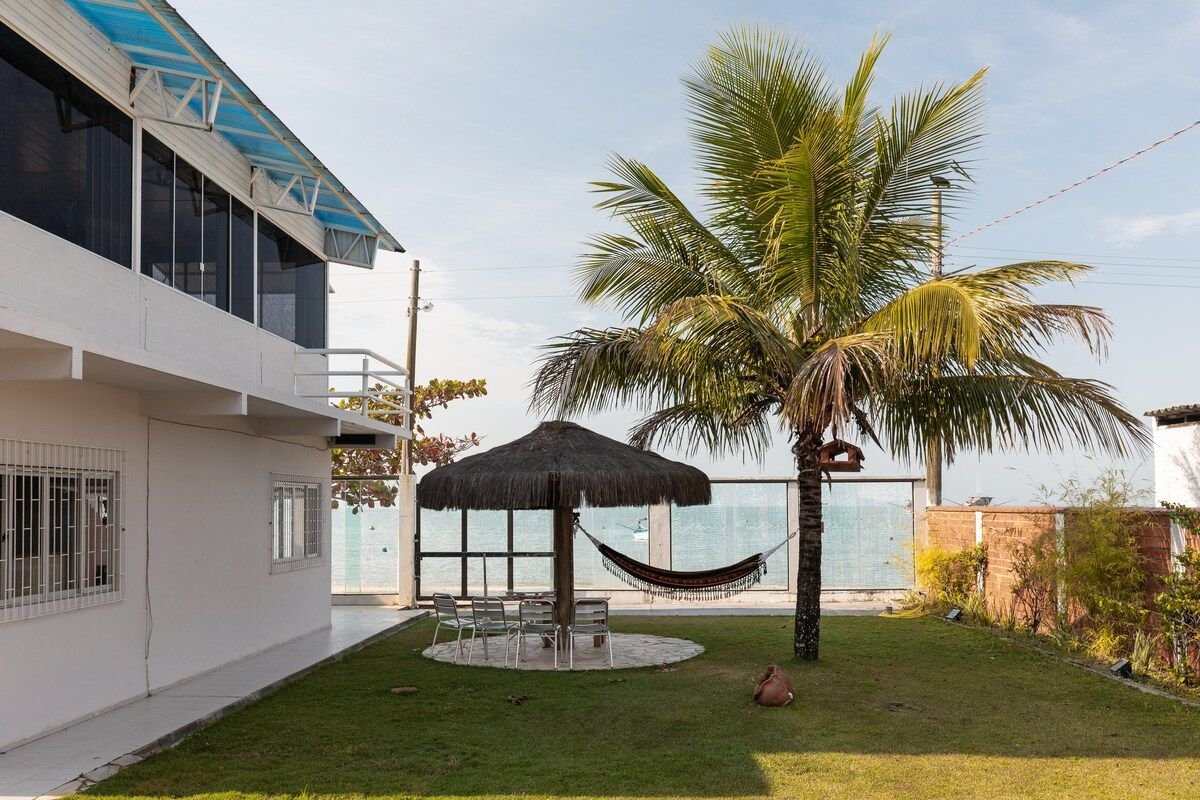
{"x": 153, "y": 34}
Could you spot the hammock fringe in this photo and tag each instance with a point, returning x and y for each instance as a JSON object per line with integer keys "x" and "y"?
{"x": 720, "y": 592}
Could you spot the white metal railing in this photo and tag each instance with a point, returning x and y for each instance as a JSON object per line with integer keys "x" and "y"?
{"x": 375, "y": 381}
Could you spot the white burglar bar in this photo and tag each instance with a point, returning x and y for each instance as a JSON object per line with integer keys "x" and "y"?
{"x": 62, "y": 531}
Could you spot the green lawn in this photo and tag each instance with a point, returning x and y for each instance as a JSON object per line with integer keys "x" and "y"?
{"x": 897, "y": 708}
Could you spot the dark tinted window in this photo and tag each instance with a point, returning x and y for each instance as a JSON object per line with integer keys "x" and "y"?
{"x": 189, "y": 230}
{"x": 65, "y": 153}
{"x": 158, "y": 208}
{"x": 241, "y": 255}
{"x": 291, "y": 287}
{"x": 214, "y": 286}
{"x": 186, "y": 226}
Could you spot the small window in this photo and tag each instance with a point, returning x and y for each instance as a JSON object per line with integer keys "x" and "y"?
{"x": 298, "y": 518}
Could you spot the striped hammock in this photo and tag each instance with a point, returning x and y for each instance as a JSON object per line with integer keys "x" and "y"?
{"x": 705, "y": 584}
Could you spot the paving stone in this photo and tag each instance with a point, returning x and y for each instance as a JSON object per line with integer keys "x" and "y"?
{"x": 629, "y": 651}
{"x": 100, "y": 773}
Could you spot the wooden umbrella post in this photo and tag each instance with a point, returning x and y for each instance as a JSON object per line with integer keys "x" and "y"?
{"x": 564, "y": 569}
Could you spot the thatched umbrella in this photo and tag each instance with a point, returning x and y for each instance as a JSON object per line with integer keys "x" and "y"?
{"x": 562, "y": 466}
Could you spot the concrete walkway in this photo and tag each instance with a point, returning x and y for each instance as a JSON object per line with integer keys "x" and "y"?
{"x": 63, "y": 762}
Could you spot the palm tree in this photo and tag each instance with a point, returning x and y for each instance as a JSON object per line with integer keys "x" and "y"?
{"x": 801, "y": 300}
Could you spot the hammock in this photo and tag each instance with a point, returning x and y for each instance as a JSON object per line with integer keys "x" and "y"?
{"x": 705, "y": 584}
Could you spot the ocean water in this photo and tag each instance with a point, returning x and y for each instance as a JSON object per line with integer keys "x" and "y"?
{"x": 867, "y": 543}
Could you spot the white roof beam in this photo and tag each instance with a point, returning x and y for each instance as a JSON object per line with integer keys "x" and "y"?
{"x": 148, "y": 87}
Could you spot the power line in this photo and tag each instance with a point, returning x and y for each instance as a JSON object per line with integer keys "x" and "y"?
{"x": 1148, "y": 285}
{"x": 1073, "y": 255}
{"x": 456, "y": 269}
{"x": 1101, "y": 266}
{"x": 458, "y": 299}
{"x": 1077, "y": 183}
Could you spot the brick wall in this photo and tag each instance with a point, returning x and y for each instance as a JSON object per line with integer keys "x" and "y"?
{"x": 1005, "y": 528}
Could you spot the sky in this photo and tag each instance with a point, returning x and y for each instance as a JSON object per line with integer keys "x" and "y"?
{"x": 472, "y": 130}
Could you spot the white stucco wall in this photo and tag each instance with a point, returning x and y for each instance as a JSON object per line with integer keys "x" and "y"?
{"x": 59, "y": 667}
{"x": 212, "y": 595}
{"x": 1177, "y": 464}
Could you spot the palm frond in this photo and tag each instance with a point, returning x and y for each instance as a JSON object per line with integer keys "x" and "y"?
{"x": 927, "y": 132}
{"x": 1042, "y": 410}
{"x": 748, "y": 99}
{"x": 740, "y": 428}
{"x": 827, "y": 387}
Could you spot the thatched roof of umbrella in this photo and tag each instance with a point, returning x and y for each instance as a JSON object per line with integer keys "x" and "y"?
{"x": 561, "y": 464}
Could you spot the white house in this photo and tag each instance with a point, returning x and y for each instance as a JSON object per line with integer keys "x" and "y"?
{"x": 165, "y": 420}
{"x": 1177, "y": 455}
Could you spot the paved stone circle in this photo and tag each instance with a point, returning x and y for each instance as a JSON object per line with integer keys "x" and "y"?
{"x": 629, "y": 650}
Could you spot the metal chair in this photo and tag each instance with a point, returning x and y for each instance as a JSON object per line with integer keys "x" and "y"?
{"x": 490, "y": 620}
{"x": 536, "y": 618}
{"x": 446, "y": 608}
{"x": 589, "y": 617}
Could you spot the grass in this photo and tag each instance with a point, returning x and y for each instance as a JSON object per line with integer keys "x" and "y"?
{"x": 896, "y": 708}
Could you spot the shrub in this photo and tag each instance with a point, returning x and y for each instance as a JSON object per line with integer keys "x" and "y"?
{"x": 1141, "y": 657}
{"x": 1105, "y": 644}
{"x": 1034, "y": 565}
{"x": 1179, "y": 606}
{"x": 1103, "y": 572}
{"x": 950, "y": 576}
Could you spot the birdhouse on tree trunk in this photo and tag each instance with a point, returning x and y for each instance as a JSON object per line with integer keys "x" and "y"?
{"x": 830, "y": 457}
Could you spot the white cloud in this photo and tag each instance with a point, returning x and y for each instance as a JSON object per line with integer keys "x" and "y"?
{"x": 1131, "y": 230}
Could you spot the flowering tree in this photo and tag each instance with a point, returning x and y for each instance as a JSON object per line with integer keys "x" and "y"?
{"x": 427, "y": 448}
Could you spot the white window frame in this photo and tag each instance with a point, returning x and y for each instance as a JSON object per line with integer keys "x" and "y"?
{"x": 70, "y": 583}
{"x": 313, "y": 516}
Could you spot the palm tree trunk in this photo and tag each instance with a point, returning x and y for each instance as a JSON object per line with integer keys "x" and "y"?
{"x": 807, "y": 640}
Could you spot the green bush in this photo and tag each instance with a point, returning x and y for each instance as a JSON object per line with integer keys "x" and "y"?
{"x": 1179, "y": 606}
{"x": 1102, "y": 572}
{"x": 1034, "y": 566}
{"x": 951, "y": 577}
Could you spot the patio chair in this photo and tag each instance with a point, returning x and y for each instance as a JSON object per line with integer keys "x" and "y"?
{"x": 490, "y": 620}
{"x": 536, "y": 618}
{"x": 446, "y": 608}
{"x": 589, "y": 618}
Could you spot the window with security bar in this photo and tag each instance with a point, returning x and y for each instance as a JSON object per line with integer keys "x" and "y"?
{"x": 298, "y": 523}
{"x": 61, "y": 530}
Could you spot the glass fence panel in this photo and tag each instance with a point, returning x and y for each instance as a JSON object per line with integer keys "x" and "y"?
{"x": 743, "y": 519}
{"x": 623, "y": 529}
{"x": 867, "y": 543}
{"x": 868, "y": 535}
{"x": 487, "y": 530}
{"x": 533, "y": 574}
{"x": 533, "y": 531}
{"x": 365, "y": 547}
{"x": 441, "y": 531}
{"x": 441, "y": 574}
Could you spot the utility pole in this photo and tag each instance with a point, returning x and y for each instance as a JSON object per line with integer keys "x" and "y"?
{"x": 933, "y": 448}
{"x": 410, "y": 365}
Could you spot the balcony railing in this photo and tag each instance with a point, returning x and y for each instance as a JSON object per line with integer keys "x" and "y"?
{"x": 368, "y": 387}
